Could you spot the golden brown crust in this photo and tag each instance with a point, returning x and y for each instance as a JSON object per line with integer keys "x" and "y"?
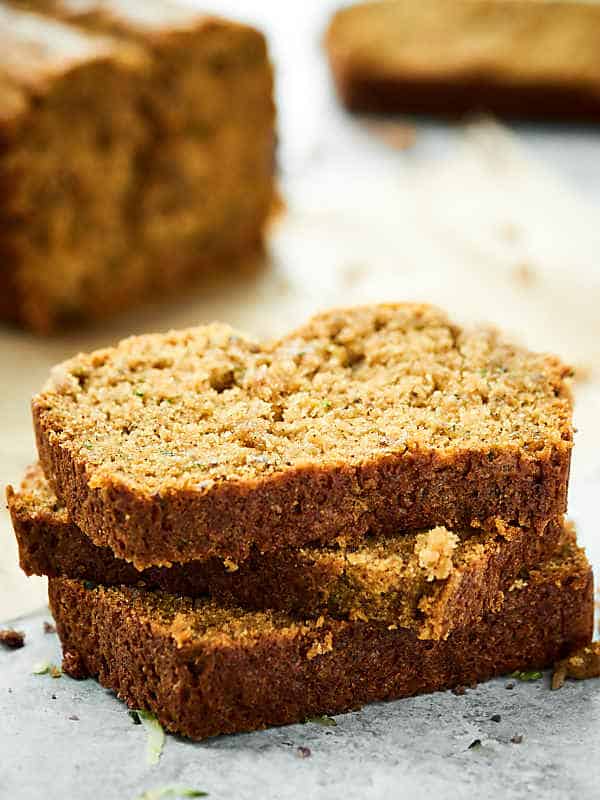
{"x": 393, "y": 580}
{"x": 37, "y": 50}
{"x": 146, "y": 19}
{"x": 470, "y": 55}
{"x": 112, "y": 197}
{"x": 375, "y": 419}
{"x": 205, "y": 671}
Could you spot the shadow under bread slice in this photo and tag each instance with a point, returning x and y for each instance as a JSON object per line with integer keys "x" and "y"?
{"x": 204, "y": 670}
{"x": 430, "y": 582}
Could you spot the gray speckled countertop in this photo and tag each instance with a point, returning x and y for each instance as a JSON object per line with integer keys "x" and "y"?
{"x": 495, "y": 223}
{"x": 416, "y": 748}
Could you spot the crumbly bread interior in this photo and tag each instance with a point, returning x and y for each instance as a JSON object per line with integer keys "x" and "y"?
{"x": 194, "y": 408}
{"x": 201, "y": 623}
{"x": 409, "y": 579}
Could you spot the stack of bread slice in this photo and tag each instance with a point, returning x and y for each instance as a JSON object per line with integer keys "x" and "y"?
{"x": 240, "y": 534}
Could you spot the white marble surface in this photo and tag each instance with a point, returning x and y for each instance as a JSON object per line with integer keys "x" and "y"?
{"x": 497, "y": 224}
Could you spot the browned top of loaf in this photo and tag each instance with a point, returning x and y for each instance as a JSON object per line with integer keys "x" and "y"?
{"x": 148, "y": 20}
{"x": 37, "y": 51}
{"x": 513, "y": 42}
{"x": 195, "y": 408}
{"x": 40, "y": 44}
{"x": 145, "y": 16}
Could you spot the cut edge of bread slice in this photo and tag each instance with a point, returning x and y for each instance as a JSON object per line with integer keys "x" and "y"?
{"x": 204, "y": 670}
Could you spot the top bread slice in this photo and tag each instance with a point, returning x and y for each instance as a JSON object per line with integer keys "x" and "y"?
{"x": 199, "y": 443}
{"x": 518, "y": 58}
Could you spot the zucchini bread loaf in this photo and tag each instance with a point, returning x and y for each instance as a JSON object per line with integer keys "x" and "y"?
{"x": 378, "y": 419}
{"x": 517, "y": 58}
{"x": 205, "y": 670}
{"x": 431, "y": 582}
{"x": 136, "y": 152}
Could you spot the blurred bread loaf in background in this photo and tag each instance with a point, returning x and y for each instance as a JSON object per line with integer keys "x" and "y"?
{"x": 136, "y": 153}
{"x": 517, "y": 58}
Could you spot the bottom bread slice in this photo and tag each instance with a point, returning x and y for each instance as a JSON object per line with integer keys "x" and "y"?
{"x": 204, "y": 670}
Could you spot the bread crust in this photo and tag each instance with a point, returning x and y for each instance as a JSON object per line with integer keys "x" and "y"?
{"x": 228, "y": 523}
{"x": 259, "y": 670}
{"x": 362, "y": 93}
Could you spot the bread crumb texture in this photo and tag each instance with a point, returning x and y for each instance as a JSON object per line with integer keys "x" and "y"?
{"x": 431, "y": 581}
{"x": 434, "y": 550}
{"x": 582, "y": 665}
{"x": 318, "y": 647}
{"x": 188, "y": 622}
{"x": 194, "y": 408}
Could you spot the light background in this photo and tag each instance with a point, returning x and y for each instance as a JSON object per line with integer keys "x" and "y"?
{"x": 497, "y": 224}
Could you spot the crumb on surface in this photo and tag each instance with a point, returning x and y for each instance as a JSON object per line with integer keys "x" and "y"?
{"x": 11, "y": 638}
{"x": 525, "y": 275}
{"x": 583, "y": 664}
{"x": 73, "y": 666}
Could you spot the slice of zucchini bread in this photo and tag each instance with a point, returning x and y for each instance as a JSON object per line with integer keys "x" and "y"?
{"x": 431, "y": 582}
{"x": 377, "y": 419}
{"x": 126, "y": 181}
{"x": 205, "y": 670}
{"x": 440, "y": 57}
